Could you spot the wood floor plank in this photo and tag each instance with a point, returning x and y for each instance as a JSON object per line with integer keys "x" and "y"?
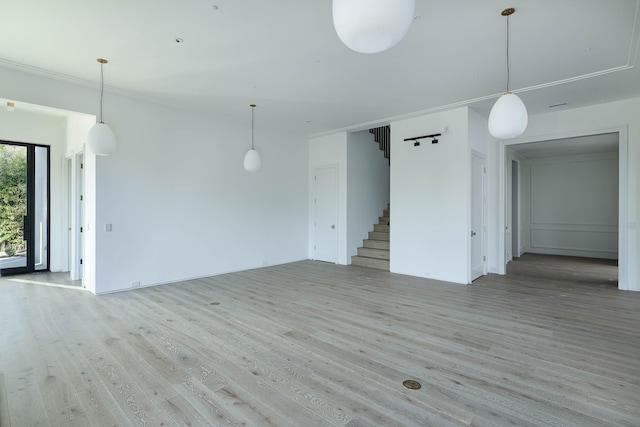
{"x": 553, "y": 342}
{"x": 4, "y": 404}
{"x": 19, "y": 350}
{"x": 76, "y": 346}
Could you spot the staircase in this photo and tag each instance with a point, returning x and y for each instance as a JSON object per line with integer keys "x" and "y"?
{"x": 375, "y": 250}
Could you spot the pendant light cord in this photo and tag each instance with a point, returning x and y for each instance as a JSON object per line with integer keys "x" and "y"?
{"x": 101, "y": 90}
{"x": 508, "y": 68}
{"x": 252, "y": 110}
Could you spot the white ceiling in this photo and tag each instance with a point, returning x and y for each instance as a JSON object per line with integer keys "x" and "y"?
{"x": 285, "y": 55}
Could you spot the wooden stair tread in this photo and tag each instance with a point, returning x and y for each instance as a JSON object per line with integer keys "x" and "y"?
{"x": 374, "y": 253}
{"x": 370, "y": 262}
{"x": 375, "y": 244}
{"x": 379, "y": 235}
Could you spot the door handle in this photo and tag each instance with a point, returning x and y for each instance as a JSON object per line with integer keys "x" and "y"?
{"x": 25, "y": 228}
{"x": 473, "y": 233}
{"x": 333, "y": 227}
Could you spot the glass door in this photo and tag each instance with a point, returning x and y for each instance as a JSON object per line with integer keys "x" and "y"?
{"x": 24, "y": 208}
{"x": 13, "y": 207}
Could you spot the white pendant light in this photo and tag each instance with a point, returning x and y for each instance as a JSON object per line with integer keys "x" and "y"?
{"x": 508, "y": 117}
{"x": 101, "y": 139}
{"x": 370, "y": 26}
{"x": 252, "y": 161}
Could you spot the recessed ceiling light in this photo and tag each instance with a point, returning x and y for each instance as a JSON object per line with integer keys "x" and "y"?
{"x": 178, "y": 40}
{"x": 215, "y": 7}
{"x": 417, "y": 18}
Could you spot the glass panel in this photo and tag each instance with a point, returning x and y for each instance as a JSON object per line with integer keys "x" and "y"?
{"x": 40, "y": 209}
{"x": 13, "y": 206}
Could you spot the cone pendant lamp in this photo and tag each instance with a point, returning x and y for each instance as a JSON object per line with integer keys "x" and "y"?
{"x": 252, "y": 161}
{"x": 101, "y": 139}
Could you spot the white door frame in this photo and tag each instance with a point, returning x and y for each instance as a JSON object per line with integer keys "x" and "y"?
{"x": 517, "y": 227}
{"x": 623, "y": 194}
{"x": 483, "y": 231}
{"x": 509, "y": 227}
{"x": 77, "y": 216}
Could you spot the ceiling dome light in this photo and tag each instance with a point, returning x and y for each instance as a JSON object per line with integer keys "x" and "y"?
{"x": 371, "y": 26}
{"x": 508, "y": 117}
{"x": 252, "y": 161}
{"x": 101, "y": 139}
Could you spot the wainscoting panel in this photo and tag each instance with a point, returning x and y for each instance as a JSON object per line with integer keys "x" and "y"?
{"x": 577, "y": 242}
{"x": 573, "y": 205}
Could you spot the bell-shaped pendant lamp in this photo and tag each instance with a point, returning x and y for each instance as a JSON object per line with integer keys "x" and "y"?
{"x": 371, "y": 26}
{"x": 508, "y": 117}
{"x": 252, "y": 161}
{"x": 101, "y": 140}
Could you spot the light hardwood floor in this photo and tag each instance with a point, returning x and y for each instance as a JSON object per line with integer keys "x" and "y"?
{"x": 310, "y": 343}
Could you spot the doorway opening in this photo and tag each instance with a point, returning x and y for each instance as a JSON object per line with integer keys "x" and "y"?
{"x": 563, "y": 201}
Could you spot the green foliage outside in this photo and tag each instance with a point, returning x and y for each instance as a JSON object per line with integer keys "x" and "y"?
{"x": 13, "y": 197}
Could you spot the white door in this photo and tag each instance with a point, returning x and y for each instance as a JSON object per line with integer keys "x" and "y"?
{"x": 326, "y": 214}
{"x": 477, "y": 216}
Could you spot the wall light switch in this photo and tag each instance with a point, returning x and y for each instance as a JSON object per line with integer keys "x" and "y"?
{"x": 108, "y": 227}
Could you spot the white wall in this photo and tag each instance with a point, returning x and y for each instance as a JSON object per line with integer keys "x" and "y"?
{"x": 180, "y": 202}
{"x": 430, "y": 197}
{"x": 571, "y": 205}
{"x": 37, "y": 128}
{"x": 78, "y": 126}
{"x": 478, "y": 133}
{"x": 367, "y": 188}
{"x": 620, "y": 116}
{"x": 329, "y": 150}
